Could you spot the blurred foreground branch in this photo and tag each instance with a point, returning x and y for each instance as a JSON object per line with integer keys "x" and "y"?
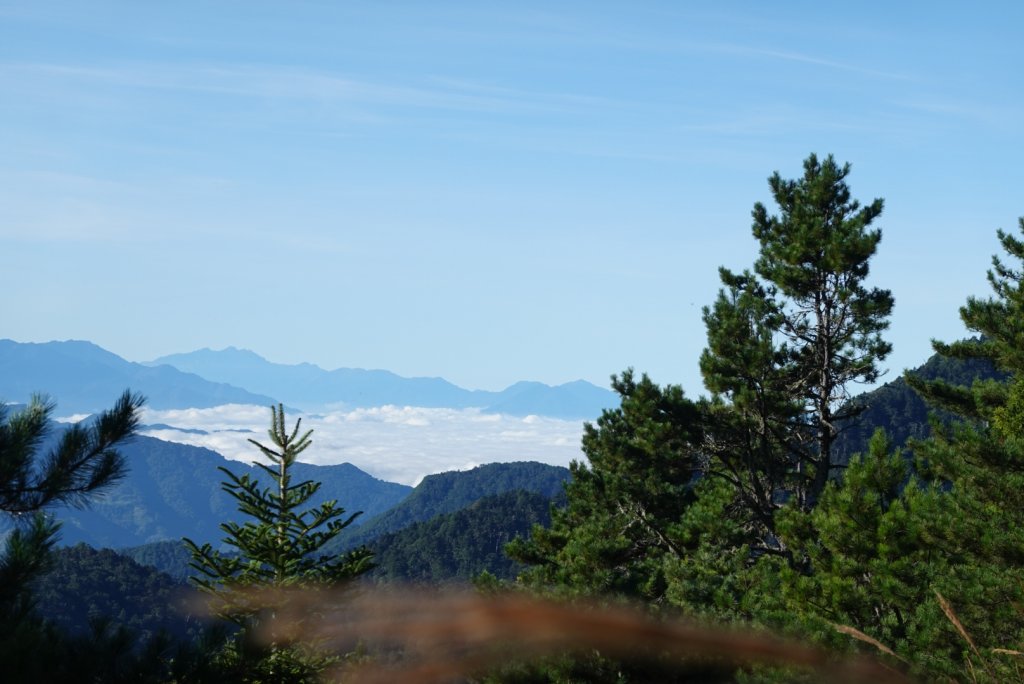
{"x": 424, "y": 636}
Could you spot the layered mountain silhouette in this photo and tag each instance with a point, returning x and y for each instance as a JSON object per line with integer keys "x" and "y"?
{"x": 312, "y": 388}
{"x": 84, "y": 378}
{"x": 434, "y": 498}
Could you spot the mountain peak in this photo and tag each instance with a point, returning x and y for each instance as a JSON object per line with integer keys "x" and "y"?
{"x": 82, "y": 377}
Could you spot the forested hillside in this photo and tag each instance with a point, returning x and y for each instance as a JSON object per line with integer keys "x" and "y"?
{"x": 169, "y": 557}
{"x": 450, "y": 492}
{"x": 458, "y": 546}
{"x": 901, "y": 411}
{"x": 87, "y": 584}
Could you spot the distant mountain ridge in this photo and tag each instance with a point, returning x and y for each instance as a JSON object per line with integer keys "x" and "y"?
{"x": 310, "y": 387}
{"x": 85, "y": 378}
{"x": 434, "y": 498}
{"x": 452, "y": 491}
{"x": 174, "y": 490}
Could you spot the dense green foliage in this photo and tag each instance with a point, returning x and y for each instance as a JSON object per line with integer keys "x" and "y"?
{"x": 612, "y": 535}
{"x": 459, "y": 546}
{"x": 980, "y": 462}
{"x": 787, "y": 340}
{"x": 930, "y": 562}
{"x": 770, "y": 519}
{"x": 84, "y": 584}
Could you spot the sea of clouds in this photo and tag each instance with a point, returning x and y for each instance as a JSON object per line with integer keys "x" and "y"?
{"x": 393, "y": 443}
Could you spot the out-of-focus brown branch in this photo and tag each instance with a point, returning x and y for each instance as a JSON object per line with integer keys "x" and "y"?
{"x": 427, "y": 636}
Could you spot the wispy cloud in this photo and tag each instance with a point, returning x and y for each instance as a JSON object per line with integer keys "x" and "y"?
{"x": 285, "y": 83}
{"x": 967, "y": 110}
{"x": 398, "y": 444}
{"x": 789, "y": 56}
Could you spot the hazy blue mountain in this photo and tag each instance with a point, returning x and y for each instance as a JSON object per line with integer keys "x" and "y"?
{"x": 308, "y": 386}
{"x": 170, "y": 557}
{"x": 84, "y": 378}
{"x": 174, "y": 490}
{"x": 452, "y": 491}
{"x": 579, "y": 399}
{"x": 313, "y": 388}
{"x": 435, "y": 497}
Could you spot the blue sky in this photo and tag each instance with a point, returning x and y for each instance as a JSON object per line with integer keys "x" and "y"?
{"x": 487, "y": 192}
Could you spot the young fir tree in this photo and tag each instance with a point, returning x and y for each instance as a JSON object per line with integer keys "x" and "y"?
{"x": 278, "y": 547}
{"x": 786, "y": 341}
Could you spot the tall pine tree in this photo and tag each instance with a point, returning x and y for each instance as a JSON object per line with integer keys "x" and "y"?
{"x": 786, "y": 341}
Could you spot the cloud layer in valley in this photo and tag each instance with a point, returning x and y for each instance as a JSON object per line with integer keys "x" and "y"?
{"x": 398, "y": 444}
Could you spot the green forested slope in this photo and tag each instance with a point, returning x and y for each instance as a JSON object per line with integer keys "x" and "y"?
{"x": 459, "y": 546}
{"x": 899, "y": 410}
{"x": 168, "y": 556}
{"x": 86, "y": 583}
{"x": 449, "y": 492}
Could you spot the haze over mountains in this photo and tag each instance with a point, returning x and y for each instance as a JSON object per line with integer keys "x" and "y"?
{"x": 84, "y": 378}
{"x": 174, "y": 490}
{"x": 312, "y": 388}
{"x": 394, "y": 428}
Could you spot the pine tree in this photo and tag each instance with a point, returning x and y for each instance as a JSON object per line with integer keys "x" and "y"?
{"x": 619, "y": 530}
{"x": 979, "y": 463}
{"x": 786, "y": 341}
{"x": 83, "y": 462}
{"x": 278, "y": 547}
{"x": 876, "y": 563}
{"x": 616, "y": 529}
{"x": 929, "y": 560}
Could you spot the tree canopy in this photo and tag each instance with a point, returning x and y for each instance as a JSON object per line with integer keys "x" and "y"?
{"x": 746, "y": 507}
